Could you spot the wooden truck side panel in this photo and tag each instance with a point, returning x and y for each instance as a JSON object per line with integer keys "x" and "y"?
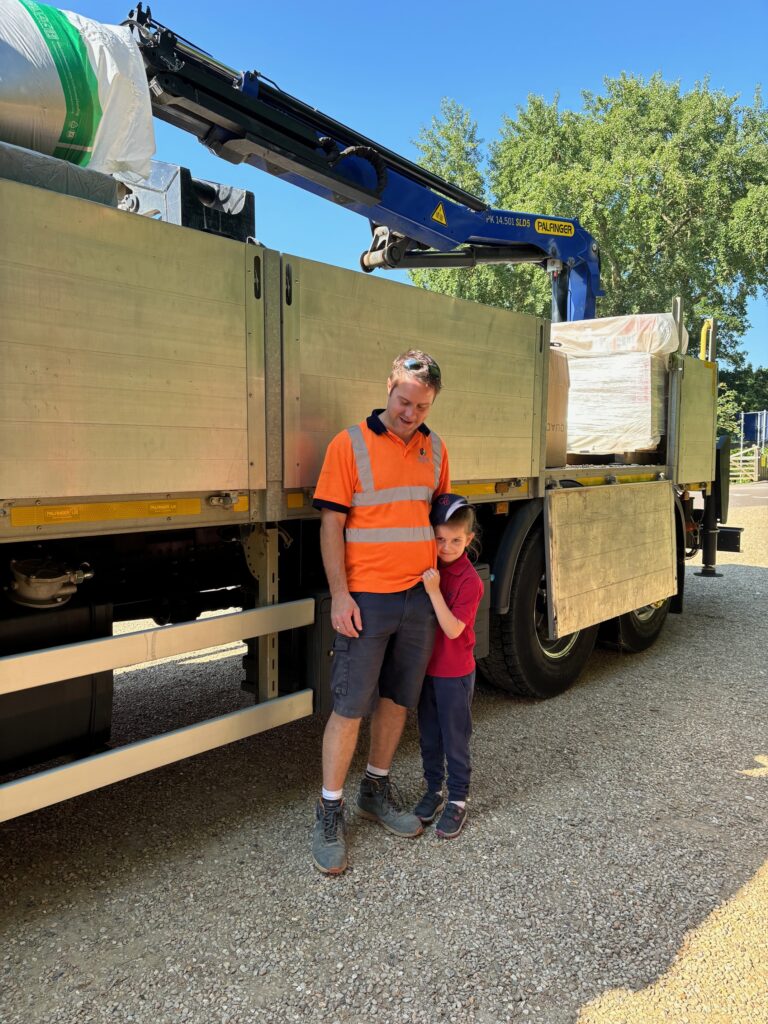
{"x": 124, "y": 350}
{"x": 341, "y": 332}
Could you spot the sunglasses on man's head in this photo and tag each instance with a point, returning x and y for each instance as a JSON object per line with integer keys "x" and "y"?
{"x": 433, "y": 370}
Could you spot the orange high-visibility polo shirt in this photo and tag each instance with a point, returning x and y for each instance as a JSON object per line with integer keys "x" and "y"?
{"x": 385, "y": 487}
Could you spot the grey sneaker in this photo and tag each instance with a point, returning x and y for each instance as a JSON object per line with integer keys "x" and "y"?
{"x": 426, "y": 809}
{"x": 452, "y": 821}
{"x": 376, "y": 802}
{"x": 329, "y": 844}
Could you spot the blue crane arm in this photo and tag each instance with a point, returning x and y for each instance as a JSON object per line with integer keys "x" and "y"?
{"x": 418, "y": 219}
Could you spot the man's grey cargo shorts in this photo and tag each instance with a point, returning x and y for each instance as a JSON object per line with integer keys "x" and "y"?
{"x": 389, "y": 658}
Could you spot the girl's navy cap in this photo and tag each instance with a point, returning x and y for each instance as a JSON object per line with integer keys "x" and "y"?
{"x": 444, "y": 506}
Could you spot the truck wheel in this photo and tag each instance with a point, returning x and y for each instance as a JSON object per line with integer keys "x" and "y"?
{"x": 638, "y": 629}
{"x": 523, "y": 660}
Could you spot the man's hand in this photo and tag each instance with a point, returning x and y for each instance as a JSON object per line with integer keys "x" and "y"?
{"x": 345, "y": 615}
{"x": 431, "y": 580}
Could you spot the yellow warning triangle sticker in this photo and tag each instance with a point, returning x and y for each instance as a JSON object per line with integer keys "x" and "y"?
{"x": 439, "y": 215}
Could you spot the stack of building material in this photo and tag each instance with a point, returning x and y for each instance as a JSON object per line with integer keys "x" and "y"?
{"x": 618, "y": 374}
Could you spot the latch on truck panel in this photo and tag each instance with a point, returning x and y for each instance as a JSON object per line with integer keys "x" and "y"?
{"x": 226, "y": 500}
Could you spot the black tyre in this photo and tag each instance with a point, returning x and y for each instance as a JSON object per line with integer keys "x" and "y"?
{"x": 638, "y": 629}
{"x": 522, "y": 660}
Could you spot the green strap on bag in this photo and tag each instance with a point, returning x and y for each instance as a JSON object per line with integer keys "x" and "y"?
{"x": 78, "y": 82}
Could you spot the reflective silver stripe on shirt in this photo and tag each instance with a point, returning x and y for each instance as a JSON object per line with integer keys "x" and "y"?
{"x": 389, "y": 494}
{"x": 362, "y": 458}
{"x": 437, "y": 456}
{"x": 398, "y": 534}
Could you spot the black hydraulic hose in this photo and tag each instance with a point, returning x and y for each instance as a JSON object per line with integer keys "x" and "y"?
{"x": 373, "y": 158}
{"x": 328, "y": 126}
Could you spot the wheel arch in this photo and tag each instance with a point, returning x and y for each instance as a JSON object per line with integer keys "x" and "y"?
{"x": 521, "y": 522}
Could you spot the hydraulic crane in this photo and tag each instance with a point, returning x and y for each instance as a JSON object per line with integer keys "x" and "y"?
{"x": 417, "y": 218}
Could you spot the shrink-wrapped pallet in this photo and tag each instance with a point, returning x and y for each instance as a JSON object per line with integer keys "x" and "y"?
{"x": 618, "y": 372}
{"x": 74, "y": 89}
{"x": 616, "y": 403}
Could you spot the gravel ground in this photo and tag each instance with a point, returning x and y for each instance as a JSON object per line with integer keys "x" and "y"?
{"x": 614, "y": 868}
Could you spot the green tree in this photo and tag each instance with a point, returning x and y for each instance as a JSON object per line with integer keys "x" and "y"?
{"x": 451, "y": 148}
{"x": 750, "y": 386}
{"x": 672, "y": 184}
{"x": 728, "y": 411}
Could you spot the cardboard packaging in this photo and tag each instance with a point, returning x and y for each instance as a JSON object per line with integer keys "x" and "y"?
{"x": 557, "y": 409}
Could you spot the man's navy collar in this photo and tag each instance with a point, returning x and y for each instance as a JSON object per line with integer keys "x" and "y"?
{"x": 374, "y": 423}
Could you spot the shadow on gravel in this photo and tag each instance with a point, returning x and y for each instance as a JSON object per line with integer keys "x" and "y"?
{"x": 604, "y": 825}
{"x": 721, "y": 963}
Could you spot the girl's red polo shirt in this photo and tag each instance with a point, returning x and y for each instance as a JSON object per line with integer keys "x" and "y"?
{"x": 462, "y": 589}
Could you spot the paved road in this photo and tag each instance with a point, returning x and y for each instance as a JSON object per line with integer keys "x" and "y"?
{"x": 749, "y": 495}
{"x": 614, "y": 868}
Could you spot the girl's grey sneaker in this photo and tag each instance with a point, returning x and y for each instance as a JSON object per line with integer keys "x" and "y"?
{"x": 451, "y": 822}
{"x": 376, "y": 802}
{"x": 426, "y": 809}
{"x": 329, "y": 844}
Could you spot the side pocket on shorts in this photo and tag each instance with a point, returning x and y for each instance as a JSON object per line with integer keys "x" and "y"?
{"x": 340, "y": 667}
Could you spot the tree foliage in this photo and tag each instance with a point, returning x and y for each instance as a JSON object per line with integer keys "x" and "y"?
{"x": 750, "y": 387}
{"x": 672, "y": 184}
{"x": 451, "y": 148}
{"x": 728, "y": 410}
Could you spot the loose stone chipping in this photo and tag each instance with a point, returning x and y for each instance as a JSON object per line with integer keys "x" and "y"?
{"x": 613, "y": 867}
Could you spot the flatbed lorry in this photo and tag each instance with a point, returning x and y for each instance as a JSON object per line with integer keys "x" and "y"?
{"x": 167, "y": 394}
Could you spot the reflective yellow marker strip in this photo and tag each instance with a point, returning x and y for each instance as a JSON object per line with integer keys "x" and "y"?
{"x": 490, "y": 488}
{"x": 598, "y": 481}
{"x": 105, "y": 511}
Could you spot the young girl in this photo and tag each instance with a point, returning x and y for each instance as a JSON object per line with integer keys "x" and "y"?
{"x": 445, "y": 720}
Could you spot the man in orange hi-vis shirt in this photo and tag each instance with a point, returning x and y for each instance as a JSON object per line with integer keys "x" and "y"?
{"x": 374, "y": 494}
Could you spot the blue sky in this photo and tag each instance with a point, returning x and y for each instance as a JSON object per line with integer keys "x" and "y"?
{"x": 383, "y": 69}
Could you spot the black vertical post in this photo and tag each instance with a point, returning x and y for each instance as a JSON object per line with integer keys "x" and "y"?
{"x": 709, "y": 542}
{"x": 711, "y": 501}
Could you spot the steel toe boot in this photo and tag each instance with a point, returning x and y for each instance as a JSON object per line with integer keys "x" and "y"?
{"x": 376, "y": 801}
{"x": 329, "y": 844}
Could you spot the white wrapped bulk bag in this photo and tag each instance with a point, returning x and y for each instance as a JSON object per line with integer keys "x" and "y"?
{"x": 73, "y": 88}
{"x": 655, "y": 333}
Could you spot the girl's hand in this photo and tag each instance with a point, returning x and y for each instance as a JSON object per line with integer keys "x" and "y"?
{"x": 431, "y": 580}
